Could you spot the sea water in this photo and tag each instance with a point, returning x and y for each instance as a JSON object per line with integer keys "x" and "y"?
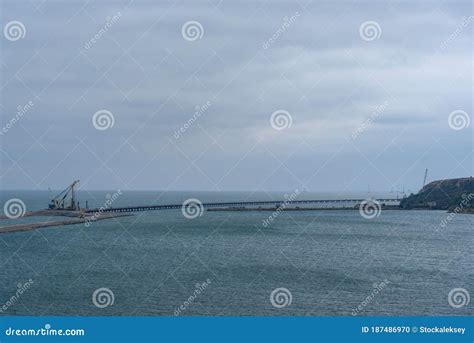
{"x": 229, "y": 263}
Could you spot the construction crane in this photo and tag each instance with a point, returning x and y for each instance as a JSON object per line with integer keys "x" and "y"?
{"x": 426, "y": 176}
{"x": 59, "y": 202}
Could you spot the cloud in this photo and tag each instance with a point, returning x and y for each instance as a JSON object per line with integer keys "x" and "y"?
{"x": 317, "y": 68}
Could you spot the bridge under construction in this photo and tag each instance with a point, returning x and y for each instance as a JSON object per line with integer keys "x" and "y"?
{"x": 65, "y": 201}
{"x": 240, "y": 204}
{"x": 64, "y": 205}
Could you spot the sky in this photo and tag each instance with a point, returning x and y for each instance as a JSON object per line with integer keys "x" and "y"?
{"x": 224, "y": 95}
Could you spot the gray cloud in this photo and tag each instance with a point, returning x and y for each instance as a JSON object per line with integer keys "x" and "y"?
{"x": 151, "y": 79}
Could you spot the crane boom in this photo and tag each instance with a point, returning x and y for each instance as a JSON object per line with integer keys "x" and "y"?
{"x": 59, "y": 201}
{"x": 426, "y": 176}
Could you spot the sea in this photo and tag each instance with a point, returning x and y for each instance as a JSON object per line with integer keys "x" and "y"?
{"x": 219, "y": 263}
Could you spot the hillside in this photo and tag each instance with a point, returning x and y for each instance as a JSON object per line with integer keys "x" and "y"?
{"x": 443, "y": 195}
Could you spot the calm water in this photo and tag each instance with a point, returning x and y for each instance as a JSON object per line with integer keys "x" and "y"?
{"x": 152, "y": 261}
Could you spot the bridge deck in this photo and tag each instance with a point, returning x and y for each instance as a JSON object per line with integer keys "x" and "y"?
{"x": 239, "y": 204}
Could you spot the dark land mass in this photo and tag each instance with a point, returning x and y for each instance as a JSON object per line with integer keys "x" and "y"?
{"x": 454, "y": 195}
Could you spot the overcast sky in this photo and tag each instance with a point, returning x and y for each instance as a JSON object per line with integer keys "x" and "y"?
{"x": 368, "y": 87}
